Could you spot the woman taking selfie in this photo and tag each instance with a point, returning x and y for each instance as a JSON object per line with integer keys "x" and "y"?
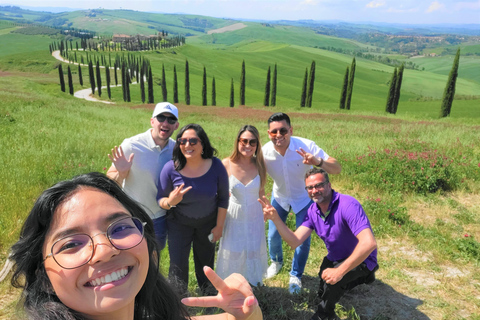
{"x": 243, "y": 248}
{"x": 87, "y": 251}
{"x": 193, "y": 188}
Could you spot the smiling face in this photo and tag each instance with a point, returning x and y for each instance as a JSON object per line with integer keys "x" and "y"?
{"x": 162, "y": 131}
{"x": 321, "y": 193}
{"x": 280, "y": 133}
{"x": 107, "y": 285}
{"x": 246, "y": 149}
{"x": 190, "y": 151}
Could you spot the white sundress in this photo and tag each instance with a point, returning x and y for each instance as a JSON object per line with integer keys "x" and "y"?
{"x": 243, "y": 247}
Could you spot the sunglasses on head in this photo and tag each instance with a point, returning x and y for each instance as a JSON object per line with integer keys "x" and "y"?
{"x": 246, "y": 142}
{"x": 283, "y": 131}
{"x": 192, "y": 141}
{"x": 161, "y": 118}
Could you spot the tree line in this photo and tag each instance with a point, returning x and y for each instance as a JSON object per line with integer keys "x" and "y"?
{"x": 133, "y": 67}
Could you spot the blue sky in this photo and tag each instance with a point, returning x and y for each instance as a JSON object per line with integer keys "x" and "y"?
{"x": 391, "y": 11}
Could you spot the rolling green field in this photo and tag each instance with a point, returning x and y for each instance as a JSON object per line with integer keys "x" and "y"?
{"x": 428, "y": 241}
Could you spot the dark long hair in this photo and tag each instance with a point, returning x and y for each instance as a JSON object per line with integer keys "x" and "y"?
{"x": 155, "y": 300}
{"x": 208, "y": 151}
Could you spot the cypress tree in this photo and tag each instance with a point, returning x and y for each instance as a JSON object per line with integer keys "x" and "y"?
{"x": 391, "y": 93}
{"x": 150, "y": 85}
{"x": 232, "y": 101}
{"x": 91, "y": 76}
{"x": 449, "y": 92}
{"x": 70, "y": 81}
{"x": 343, "y": 95}
{"x": 204, "y": 87}
{"x": 115, "y": 73}
{"x": 127, "y": 84}
{"x": 304, "y": 89}
{"x": 266, "y": 99}
{"x": 274, "y": 87}
{"x": 398, "y": 86}
{"x": 350, "y": 84}
{"x": 175, "y": 85}
{"x": 187, "y": 84}
{"x": 124, "y": 81}
{"x": 62, "y": 79}
{"x": 142, "y": 86}
{"x": 107, "y": 76}
{"x": 80, "y": 78}
{"x": 311, "y": 83}
{"x": 164, "y": 84}
{"x": 214, "y": 93}
{"x": 99, "y": 80}
{"x": 242, "y": 85}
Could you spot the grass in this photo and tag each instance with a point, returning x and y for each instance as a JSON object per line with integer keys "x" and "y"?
{"x": 428, "y": 242}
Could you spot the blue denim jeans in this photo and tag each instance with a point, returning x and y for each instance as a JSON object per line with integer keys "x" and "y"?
{"x": 160, "y": 228}
{"x": 275, "y": 241}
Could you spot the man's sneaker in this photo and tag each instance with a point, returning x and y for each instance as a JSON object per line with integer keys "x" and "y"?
{"x": 273, "y": 269}
{"x": 295, "y": 285}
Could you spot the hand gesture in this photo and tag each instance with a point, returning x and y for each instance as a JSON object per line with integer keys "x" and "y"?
{"x": 121, "y": 163}
{"x": 308, "y": 158}
{"x": 269, "y": 212}
{"x": 234, "y": 296}
{"x": 176, "y": 196}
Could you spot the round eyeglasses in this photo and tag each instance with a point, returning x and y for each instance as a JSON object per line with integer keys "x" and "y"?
{"x": 76, "y": 250}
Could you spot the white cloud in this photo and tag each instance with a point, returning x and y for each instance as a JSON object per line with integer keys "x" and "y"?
{"x": 435, "y": 6}
{"x": 375, "y": 4}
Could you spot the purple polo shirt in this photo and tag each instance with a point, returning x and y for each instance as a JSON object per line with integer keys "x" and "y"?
{"x": 340, "y": 227}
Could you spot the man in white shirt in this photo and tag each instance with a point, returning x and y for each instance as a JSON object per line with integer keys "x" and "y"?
{"x": 287, "y": 159}
{"x": 137, "y": 163}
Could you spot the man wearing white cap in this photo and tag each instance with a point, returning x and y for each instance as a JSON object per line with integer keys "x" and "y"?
{"x": 138, "y": 161}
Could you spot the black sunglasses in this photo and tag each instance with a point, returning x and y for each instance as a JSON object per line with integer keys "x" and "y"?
{"x": 161, "y": 118}
{"x": 316, "y": 186}
{"x": 192, "y": 141}
{"x": 283, "y": 131}
{"x": 246, "y": 142}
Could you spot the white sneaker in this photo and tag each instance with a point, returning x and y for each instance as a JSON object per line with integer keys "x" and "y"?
{"x": 295, "y": 285}
{"x": 273, "y": 269}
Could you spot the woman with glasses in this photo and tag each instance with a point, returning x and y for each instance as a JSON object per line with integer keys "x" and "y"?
{"x": 87, "y": 251}
{"x": 243, "y": 247}
{"x": 193, "y": 187}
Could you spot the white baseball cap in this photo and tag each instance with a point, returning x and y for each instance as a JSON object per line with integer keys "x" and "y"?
{"x": 165, "y": 107}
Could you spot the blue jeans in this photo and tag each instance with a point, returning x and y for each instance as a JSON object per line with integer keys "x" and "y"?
{"x": 160, "y": 228}
{"x": 275, "y": 241}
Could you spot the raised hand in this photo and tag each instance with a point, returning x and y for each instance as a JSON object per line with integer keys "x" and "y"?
{"x": 309, "y": 158}
{"x": 235, "y": 296}
{"x": 120, "y": 161}
{"x": 269, "y": 212}
{"x": 176, "y": 196}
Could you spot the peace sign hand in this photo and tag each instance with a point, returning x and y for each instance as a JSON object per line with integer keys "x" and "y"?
{"x": 176, "y": 196}
{"x": 308, "y": 158}
{"x": 234, "y": 296}
{"x": 269, "y": 212}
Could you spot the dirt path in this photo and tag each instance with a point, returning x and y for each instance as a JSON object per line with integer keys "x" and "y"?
{"x": 233, "y": 27}
{"x": 84, "y": 93}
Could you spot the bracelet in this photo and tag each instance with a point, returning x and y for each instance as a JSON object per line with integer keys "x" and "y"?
{"x": 320, "y": 164}
{"x": 169, "y": 205}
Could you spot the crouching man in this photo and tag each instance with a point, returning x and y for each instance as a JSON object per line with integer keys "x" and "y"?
{"x": 339, "y": 220}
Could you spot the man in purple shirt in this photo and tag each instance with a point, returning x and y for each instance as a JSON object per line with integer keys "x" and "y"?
{"x": 339, "y": 220}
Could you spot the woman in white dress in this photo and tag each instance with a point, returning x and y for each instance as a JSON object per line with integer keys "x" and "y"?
{"x": 243, "y": 247}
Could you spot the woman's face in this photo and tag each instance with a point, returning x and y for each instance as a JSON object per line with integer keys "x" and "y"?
{"x": 90, "y": 289}
{"x": 245, "y": 142}
{"x": 190, "y": 149}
